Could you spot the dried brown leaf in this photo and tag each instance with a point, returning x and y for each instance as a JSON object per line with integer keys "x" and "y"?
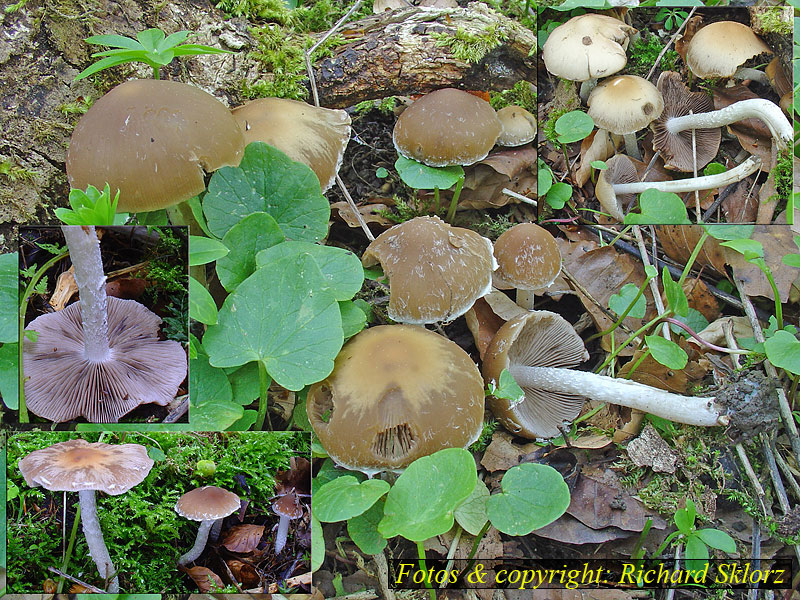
{"x": 204, "y": 578}
{"x": 678, "y": 241}
{"x": 243, "y": 538}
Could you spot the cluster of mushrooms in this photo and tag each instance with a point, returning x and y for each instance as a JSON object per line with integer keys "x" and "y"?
{"x": 685, "y": 125}
{"x": 80, "y": 466}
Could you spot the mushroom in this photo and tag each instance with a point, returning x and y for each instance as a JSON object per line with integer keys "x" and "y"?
{"x": 83, "y": 467}
{"x": 519, "y": 126}
{"x": 396, "y": 393}
{"x": 622, "y": 169}
{"x": 101, "y": 357}
{"x": 209, "y": 505}
{"x": 152, "y": 140}
{"x": 287, "y": 507}
{"x": 528, "y": 259}
{"x": 718, "y": 49}
{"x": 536, "y": 346}
{"x": 624, "y": 105}
{"x": 587, "y": 47}
{"x": 447, "y": 127}
{"x": 435, "y": 271}
{"x": 308, "y": 134}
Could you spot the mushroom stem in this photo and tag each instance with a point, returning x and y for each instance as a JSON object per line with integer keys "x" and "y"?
{"x": 94, "y": 539}
{"x": 199, "y": 543}
{"x": 681, "y": 409}
{"x": 280, "y": 537}
{"x": 216, "y": 529}
{"x": 586, "y": 88}
{"x": 753, "y": 108}
{"x": 631, "y": 147}
{"x": 743, "y": 73}
{"x": 526, "y": 299}
{"x": 84, "y": 251}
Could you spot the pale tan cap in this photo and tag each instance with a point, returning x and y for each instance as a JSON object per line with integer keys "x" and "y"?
{"x": 718, "y": 49}
{"x": 519, "y": 126}
{"x": 528, "y": 258}
{"x": 625, "y": 104}
{"x": 206, "y": 503}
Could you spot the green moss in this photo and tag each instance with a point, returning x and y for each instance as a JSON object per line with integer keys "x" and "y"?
{"x": 550, "y": 125}
{"x": 385, "y": 106}
{"x": 770, "y": 21}
{"x": 77, "y": 107}
{"x": 485, "y": 438}
{"x": 643, "y": 55}
{"x": 12, "y": 172}
{"x": 492, "y": 227}
{"x": 784, "y": 176}
{"x": 471, "y": 47}
{"x": 522, "y": 94}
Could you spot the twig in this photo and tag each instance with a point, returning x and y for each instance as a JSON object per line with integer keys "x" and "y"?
{"x": 700, "y": 340}
{"x": 519, "y": 197}
{"x": 89, "y": 587}
{"x": 178, "y": 410}
{"x": 383, "y": 575}
{"x": 751, "y": 475}
{"x": 670, "y": 42}
{"x": 579, "y": 286}
{"x": 777, "y": 482}
{"x": 755, "y": 556}
{"x": 787, "y": 473}
{"x": 645, "y": 258}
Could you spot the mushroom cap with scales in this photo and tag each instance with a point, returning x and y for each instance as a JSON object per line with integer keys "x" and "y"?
{"x": 207, "y": 503}
{"x": 528, "y": 258}
{"x": 396, "y": 393}
{"x": 153, "y": 140}
{"x": 718, "y": 49}
{"x": 625, "y": 104}
{"x": 77, "y": 465}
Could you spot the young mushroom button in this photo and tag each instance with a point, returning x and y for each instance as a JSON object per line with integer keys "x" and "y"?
{"x": 396, "y": 393}
{"x": 519, "y": 126}
{"x": 83, "y": 467}
{"x": 209, "y": 505}
{"x": 718, "y": 49}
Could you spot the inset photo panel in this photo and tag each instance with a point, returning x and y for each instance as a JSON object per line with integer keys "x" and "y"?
{"x": 176, "y": 512}
{"x": 105, "y": 314}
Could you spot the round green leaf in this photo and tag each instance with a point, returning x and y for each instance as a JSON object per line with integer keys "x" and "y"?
{"x": 659, "y": 208}
{"x": 345, "y": 498}
{"x": 573, "y": 126}
{"x": 749, "y": 248}
{"x": 252, "y": 234}
{"x": 620, "y": 302}
{"x": 422, "y": 177}
{"x": 353, "y": 318}
{"x": 268, "y": 181}
{"x": 203, "y": 250}
{"x": 471, "y": 514}
{"x": 558, "y": 195}
{"x": 533, "y": 496}
{"x": 421, "y": 503}
{"x": 317, "y": 544}
{"x": 363, "y": 530}
{"x": 783, "y": 351}
{"x": 599, "y": 165}
{"x": 714, "y": 168}
{"x": 729, "y": 231}
{"x": 696, "y": 554}
{"x": 381, "y": 173}
{"x": 211, "y": 406}
{"x": 717, "y": 539}
{"x": 695, "y": 320}
{"x": 544, "y": 178}
{"x": 201, "y": 305}
{"x": 9, "y": 375}
{"x": 666, "y": 352}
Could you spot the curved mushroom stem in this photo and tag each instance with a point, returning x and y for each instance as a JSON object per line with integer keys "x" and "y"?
{"x": 631, "y": 147}
{"x": 754, "y": 108}
{"x": 743, "y": 73}
{"x": 280, "y": 537}
{"x": 94, "y": 539}
{"x": 84, "y": 252}
{"x": 199, "y": 543}
{"x": 681, "y": 409}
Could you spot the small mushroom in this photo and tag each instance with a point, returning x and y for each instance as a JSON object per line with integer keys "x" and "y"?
{"x": 152, "y": 140}
{"x": 287, "y": 507}
{"x": 83, "y": 467}
{"x": 718, "y": 49}
{"x": 308, "y": 134}
{"x": 209, "y": 505}
{"x": 447, "y": 127}
{"x": 435, "y": 271}
{"x": 396, "y": 393}
{"x": 519, "y": 126}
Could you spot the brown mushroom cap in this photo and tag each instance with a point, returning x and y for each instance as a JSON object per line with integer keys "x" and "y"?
{"x": 288, "y": 505}
{"x": 447, "y": 127}
{"x": 435, "y": 271}
{"x": 77, "y": 465}
{"x": 207, "y": 503}
{"x": 528, "y": 258}
{"x": 308, "y": 134}
{"x": 519, "y": 126}
{"x": 624, "y": 104}
{"x": 586, "y": 47}
{"x": 62, "y": 385}
{"x": 152, "y": 140}
{"x": 676, "y": 148}
{"x": 396, "y": 393}
{"x": 540, "y": 339}
{"x": 717, "y": 49}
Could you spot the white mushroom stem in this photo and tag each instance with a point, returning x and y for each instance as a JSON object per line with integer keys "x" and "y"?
{"x": 84, "y": 251}
{"x": 743, "y": 73}
{"x": 526, "y": 299}
{"x": 631, "y": 147}
{"x": 681, "y": 409}
{"x": 199, "y": 543}
{"x": 94, "y": 539}
{"x": 216, "y": 528}
{"x": 280, "y": 537}
{"x": 754, "y": 108}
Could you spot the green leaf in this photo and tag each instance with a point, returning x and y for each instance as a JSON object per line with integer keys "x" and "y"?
{"x": 620, "y": 302}
{"x": 9, "y": 275}
{"x": 345, "y": 498}
{"x": 507, "y": 388}
{"x": 353, "y": 318}
{"x": 544, "y": 178}
{"x": 247, "y": 238}
{"x": 211, "y": 407}
{"x": 422, "y": 177}
{"x": 471, "y": 514}
{"x": 9, "y": 375}
{"x": 666, "y": 352}
{"x": 115, "y": 41}
{"x": 714, "y": 168}
{"x": 268, "y": 181}
{"x": 422, "y": 501}
{"x": 282, "y": 316}
{"x": 245, "y": 383}
{"x": 149, "y": 38}
{"x": 717, "y": 539}
{"x": 750, "y": 249}
{"x": 695, "y": 320}
{"x": 599, "y": 165}
{"x": 329, "y": 471}
{"x": 203, "y": 250}
{"x": 559, "y": 194}
{"x": 696, "y": 554}
{"x": 676, "y": 297}
{"x": 363, "y": 530}
{"x": 341, "y": 269}
{"x": 593, "y": 4}
{"x": 201, "y": 305}
{"x": 783, "y": 351}
{"x": 573, "y": 126}
{"x": 792, "y": 260}
{"x": 381, "y": 173}
{"x": 533, "y": 496}
{"x": 683, "y": 521}
{"x": 663, "y": 208}
{"x": 317, "y": 544}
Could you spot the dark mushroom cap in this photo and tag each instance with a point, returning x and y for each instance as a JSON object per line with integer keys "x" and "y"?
{"x": 536, "y": 339}
{"x": 396, "y": 393}
{"x": 718, "y": 49}
{"x": 528, "y": 258}
{"x": 308, "y": 134}
{"x": 447, "y": 127}
{"x": 152, "y": 140}
{"x": 676, "y": 148}
{"x": 207, "y": 503}
{"x": 624, "y": 104}
{"x": 62, "y": 385}
{"x": 77, "y": 465}
{"x": 435, "y": 271}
